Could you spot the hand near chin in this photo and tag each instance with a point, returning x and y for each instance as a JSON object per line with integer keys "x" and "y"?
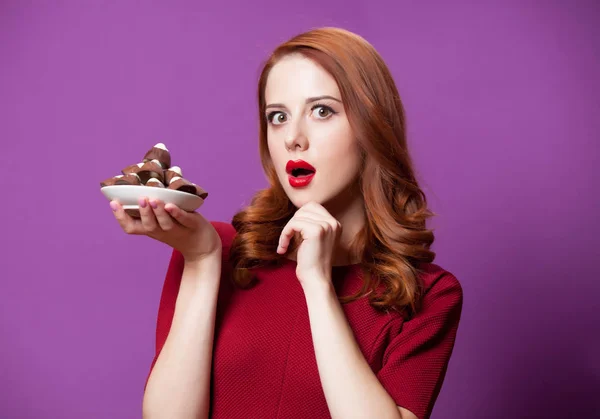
{"x": 318, "y": 233}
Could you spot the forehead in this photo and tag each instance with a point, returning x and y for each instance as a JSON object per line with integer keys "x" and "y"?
{"x": 296, "y": 77}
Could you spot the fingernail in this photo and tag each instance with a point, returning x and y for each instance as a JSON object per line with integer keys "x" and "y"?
{"x": 113, "y": 205}
{"x": 142, "y": 202}
{"x": 154, "y": 204}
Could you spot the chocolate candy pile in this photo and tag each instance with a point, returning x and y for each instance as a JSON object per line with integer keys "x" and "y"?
{"x": 155, "y": 171}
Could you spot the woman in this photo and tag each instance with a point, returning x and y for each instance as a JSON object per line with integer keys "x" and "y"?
{"x": 319, "y": 299}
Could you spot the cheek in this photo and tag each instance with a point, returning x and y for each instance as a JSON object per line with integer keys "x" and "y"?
{"x": 339, "y": 145}
{"x": 271, "y": 146}
{"x": 277, "y": 154}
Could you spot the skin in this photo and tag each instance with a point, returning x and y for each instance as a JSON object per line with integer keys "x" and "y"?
{"x": 330, "y": 213}
{"x": 319, "y": 133}
{"x": 189, "y": 233}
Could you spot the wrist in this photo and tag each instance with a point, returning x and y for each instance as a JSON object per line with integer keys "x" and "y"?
{"x": 204, "y": 273}
{"x": 318, "y": 288}
{"x": 205, "y": 259}
{"x": 206, "y": 265}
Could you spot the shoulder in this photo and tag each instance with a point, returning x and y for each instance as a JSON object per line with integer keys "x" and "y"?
{"x": 224, "y": 229}
{"x": 415, "y": 358}
{"x": 226, "y": 232}
{"x": 442, "y": 289}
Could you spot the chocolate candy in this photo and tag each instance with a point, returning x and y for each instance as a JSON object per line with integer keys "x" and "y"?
{"x": 183, "y": 185}
{"x": 110, "y": 181}
{"x": 159, "y": 152}
{"x": 155, "y": 183}
{"x": 174, "y": 171}
{"x": 134, "y": 168}
{"x": 155, "y": 171}
{"x": 150, "y": 170}
{"x": 130, "y": 179}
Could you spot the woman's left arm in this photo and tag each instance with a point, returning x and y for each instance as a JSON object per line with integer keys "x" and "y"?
{"x": 351, "y": 388}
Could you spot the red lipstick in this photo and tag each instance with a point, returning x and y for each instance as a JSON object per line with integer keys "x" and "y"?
{"x": 300, "y": 173}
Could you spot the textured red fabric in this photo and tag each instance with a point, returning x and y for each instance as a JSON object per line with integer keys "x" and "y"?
{"x": 264, "y": 364}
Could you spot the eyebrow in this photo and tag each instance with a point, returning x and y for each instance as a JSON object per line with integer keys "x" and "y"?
{"x": 309, "y": 100}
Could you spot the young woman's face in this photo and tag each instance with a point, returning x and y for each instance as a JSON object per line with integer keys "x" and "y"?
{"x": 306, "y": 121}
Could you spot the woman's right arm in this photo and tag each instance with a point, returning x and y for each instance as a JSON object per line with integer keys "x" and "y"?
{"x": 179, "y": 384}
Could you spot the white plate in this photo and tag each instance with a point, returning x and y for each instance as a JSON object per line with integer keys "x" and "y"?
{"x": 128, "y": 196}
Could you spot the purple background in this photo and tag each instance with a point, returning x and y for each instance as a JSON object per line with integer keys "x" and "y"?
{"x": 503, "y": 109}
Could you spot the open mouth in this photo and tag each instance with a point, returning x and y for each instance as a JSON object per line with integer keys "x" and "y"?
{"x": 299, "y": 173}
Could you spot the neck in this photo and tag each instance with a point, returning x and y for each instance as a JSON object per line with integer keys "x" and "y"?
{"x": 352, "y": 218}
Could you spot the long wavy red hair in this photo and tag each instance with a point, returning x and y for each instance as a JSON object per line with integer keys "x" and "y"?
{"x": 394, "y": 240}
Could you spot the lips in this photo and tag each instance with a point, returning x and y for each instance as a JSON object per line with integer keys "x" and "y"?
{"x": 297, "y": 168}
{"x": 300, "y": 173}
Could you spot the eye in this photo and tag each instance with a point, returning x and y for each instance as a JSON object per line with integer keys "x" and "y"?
{"x": 323, "y": 111}
{"x": 276, "y": 118}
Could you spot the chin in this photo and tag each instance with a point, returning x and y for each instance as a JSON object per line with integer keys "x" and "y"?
{"x": 302, "y": 197}
{"x": 299, "y": 202}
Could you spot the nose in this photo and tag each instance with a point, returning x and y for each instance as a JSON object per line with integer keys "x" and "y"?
{"x": 295, "y": 136}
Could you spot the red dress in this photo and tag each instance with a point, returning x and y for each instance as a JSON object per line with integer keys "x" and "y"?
{"x": 264, "y": 364}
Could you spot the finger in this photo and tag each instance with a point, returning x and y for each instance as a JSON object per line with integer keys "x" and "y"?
{"x": 165, "y": 221}
{"x": 286, "y": 235}
{"x": 315, "y": 207}
{"x": 312, "y": 221}
{"x": 186, "y": 219}
{"x": 320, "y": 211}
{"x": 127, "y": 223}
{"x": 300, "y": 225}
{"x": 148, "y": 220}
{"x": 308, "y": 214}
